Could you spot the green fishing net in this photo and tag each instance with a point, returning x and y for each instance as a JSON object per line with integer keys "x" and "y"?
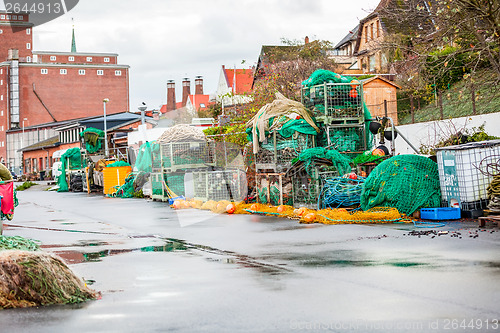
{"x": 71, "y": 159}
{"x": 117, "y": 164}
{"x": 340, "y": 162}
{"x": 91, "y": 137}
{"x": 405, "y": 182}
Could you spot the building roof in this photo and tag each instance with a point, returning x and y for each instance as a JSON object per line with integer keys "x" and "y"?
{"x": 351, "y": 36}
{"x": 202, "y": 101}
{"x": 240, "y": 78}
{"x": 377, "y": 77}
{"x": 50, "y": 142}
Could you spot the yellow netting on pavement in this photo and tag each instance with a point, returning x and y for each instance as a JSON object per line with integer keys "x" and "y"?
{"x": 325, "y": 216}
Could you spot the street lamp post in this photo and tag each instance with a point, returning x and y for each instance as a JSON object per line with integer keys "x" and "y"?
{"x": 106, "y": 151}
{"x": 142, "y": 107}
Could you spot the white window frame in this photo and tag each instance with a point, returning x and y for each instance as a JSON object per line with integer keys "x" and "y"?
{"x": 1, "y": 113}
{"x": 20, "y": 17}
{"x": 28, "y": 46}
{"x": 28, "y": 31}
{"x": 106, "y": 59}
{"x": 2, "y": 17}
{"x": 100, "y": 72}
{"x": 89, "y": 59}
{"x": 118, "y": 73}
{"x": 44, "y": 71}
{"x": 28, "y": 59}
{"x": 53, "y": 58}
{"x": 81, "y": 72}
{"x": 14, "y": 17}
{"x": 71, "y": 58}
{"x": 63, "y": 71}
{"x": 1, "y": 31}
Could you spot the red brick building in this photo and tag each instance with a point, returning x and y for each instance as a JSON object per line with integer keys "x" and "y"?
{"x": 38, "y": 88}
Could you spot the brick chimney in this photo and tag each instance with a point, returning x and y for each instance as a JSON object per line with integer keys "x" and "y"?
{"x": 198, "y": 85}
{"x": 186, "y": 90}
{"x": 306, "y": 41}
{"x": 170, "y": 95}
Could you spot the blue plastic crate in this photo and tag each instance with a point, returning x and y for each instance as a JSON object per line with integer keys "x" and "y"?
{"x": 440, "y": 213}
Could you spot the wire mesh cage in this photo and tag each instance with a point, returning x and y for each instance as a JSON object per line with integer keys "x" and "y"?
{"x": 220, "y": 185}
{"x": 278, "y": 152}
{"x": 347, "y": 139}
{"x": 335, "y": 101}
{"x": 227, "y": 155}
{"x": 185, "y": 155}
{"x": 274, "y": 189}
{"x": 307, "y": 186}
{"x": 461, "y": 180}
{"x": 157, "y": 189}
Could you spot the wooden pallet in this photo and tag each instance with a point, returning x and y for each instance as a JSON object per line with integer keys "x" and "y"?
{"x": 495, "y": 219}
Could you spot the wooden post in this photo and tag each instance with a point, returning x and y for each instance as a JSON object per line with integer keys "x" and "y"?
{"x": 385, "y": 107}
{"x": 473, "y": 95}
{"x": 440, "y": 102}
{"x": 412, "y": 110}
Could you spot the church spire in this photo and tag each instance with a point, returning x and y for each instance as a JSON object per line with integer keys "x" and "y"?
{"x": 73, "y": 40}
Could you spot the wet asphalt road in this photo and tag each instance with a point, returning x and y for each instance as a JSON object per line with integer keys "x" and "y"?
{"x": 195, "y": 271}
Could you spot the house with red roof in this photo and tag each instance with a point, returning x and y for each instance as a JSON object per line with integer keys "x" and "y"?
{"x": 235, "y": 86}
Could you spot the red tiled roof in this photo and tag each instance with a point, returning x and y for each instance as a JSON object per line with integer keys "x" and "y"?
{"x": 200, "y": 99}
{"x": 163, "y": 108}
{"x": 244, "y": 79}
{"x": 178, "y": 105}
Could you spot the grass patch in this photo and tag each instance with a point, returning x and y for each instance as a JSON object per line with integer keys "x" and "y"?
{"x": 25, "y": 186}
{"x": 457, "y": 101}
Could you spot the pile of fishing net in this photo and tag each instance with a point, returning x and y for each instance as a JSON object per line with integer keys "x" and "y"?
{"x": 305, "y": 215}
{"x": 283, "y": 115}
{"x": 405, "y": 182}
{"x": 36, "y": 278}
{"x": 314, "y": 156}
{"x": 91, "y": 137}
{"x": 17, "y": 243}
{"x": 117, "y": 164}
{"x": 494, "y": 194}
{"x": 72, "y": 156}
{"x": 341, "y": 192}
{"x": 182, "y": 133}
{"x": 367, "y": 157}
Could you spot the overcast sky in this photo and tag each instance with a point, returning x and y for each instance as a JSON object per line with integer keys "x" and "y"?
{"x": 172, "y": 39}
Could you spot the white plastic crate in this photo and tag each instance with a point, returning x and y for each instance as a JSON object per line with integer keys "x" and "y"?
{"x": 461, "y": 181}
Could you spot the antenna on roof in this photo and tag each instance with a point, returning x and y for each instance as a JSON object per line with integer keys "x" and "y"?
{"x": 73, "y": 39}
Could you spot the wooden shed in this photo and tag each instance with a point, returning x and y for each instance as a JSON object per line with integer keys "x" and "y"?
{"x": 377, "y": 90}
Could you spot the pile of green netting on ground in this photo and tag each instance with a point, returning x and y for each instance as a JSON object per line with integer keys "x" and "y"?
{"x": 72, "y": 156}
{"x": 367, "y": 157}
{"x": 29, "y": 277}
{"x": 91, "y": 137}
{"x": 405, "y": 182}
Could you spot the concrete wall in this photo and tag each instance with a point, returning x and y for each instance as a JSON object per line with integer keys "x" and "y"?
{"x": 430, "y": 133}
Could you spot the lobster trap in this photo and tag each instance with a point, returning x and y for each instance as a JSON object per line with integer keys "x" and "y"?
{"x": 335, "y": 102}
{"x": 306, "y": 189}
{"x": 185, "y": 155}
{"x": 227, "y": 155}
{"x": 346, "y": 138}
{"x": 274, "y": 189}
{"x": 277, "y": 152}
{"x": 220, "y": 185}
{"x": 161, "y": 180}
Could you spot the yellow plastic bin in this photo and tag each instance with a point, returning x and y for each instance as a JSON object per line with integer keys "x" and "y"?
{"x": 114, "y": 177}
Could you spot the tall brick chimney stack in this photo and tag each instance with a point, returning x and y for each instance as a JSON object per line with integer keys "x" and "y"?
{"x": 186, "y": 90}
{"x": 306, "y": 41}
{"x": 198, "y": 85}
{"x": 170, "y": 95}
